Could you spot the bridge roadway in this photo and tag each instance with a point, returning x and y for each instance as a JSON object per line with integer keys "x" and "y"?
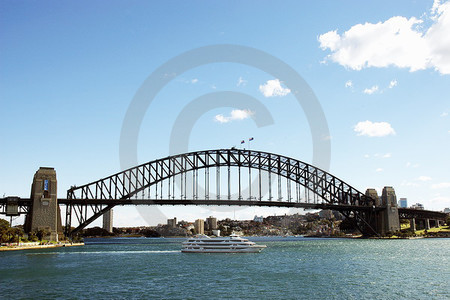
{"x": 404, "y": 213}
{"x": 212, "y": 177}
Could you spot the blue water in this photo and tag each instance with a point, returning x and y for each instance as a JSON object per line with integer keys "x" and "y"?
{"x": 289, "y": 268}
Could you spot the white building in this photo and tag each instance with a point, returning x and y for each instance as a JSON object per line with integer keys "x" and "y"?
{"x": 417, "y": 206}
{"x": 258, "y": 219}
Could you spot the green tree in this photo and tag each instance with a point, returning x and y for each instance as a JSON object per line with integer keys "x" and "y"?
{"x": 32, "y": 237}
{"x": 4, "y": 231}
{"x": 9, "y": 234}
{"x": 15, "y": 234}
{"x": 41, "y": 233}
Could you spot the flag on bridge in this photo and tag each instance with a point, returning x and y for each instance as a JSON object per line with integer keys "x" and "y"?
{"x": 250, "y": 139}
{"x": 242, "y": 142}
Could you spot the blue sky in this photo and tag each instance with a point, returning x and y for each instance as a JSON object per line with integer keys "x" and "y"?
{"x": 380, "y": 70}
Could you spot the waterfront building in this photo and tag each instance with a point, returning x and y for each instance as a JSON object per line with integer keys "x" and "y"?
{"x": 258, "y": 219}
{"x": 417, "y": 206}
{"x": 172, "y": 223}
{"x": 403, "y": 203}
{"x": 211, "y": 223}
{"x": 447, "y": 210}
{"x": 199, "y": 226}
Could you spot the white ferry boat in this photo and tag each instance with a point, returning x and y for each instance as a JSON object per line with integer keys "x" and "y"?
{"x": 231, "y": 244}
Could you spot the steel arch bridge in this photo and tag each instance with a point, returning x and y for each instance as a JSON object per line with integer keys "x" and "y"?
{"x": 175, "y": 180}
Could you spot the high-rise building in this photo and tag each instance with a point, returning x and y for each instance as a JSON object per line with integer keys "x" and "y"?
{"x": 403, "y": 203}
{"x": 199, "y": 226}
{"x": 211, "y": 223}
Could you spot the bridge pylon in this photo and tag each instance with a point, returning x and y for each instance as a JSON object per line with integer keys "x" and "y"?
{"x": 389, "y": 220}
{"x": 45, "y": 213}
{"x": 386, "y": 216}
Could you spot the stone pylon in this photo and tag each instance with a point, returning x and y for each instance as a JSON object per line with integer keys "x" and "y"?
{"x": 390, "y": 218}
{"x": 45, "y": 213}
{"x": 372, "y": 193}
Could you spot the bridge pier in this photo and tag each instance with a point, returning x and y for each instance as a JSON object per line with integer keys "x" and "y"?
{"x": 386, "y": 220}
{"x": 391, "y": 221}
{"x": 412, "y": 224}
{"x": 44, "y": 214}
{"x": 108, "y": 221}
{"x": 427, "y": 224}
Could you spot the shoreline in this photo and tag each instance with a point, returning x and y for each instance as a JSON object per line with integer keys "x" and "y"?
{"x": 31, "y": 247}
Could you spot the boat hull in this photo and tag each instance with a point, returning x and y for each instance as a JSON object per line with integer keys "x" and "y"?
{"x": 243, "y": 250}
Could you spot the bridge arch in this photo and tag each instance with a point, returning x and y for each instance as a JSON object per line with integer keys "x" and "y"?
{"x": 120, "y": 188}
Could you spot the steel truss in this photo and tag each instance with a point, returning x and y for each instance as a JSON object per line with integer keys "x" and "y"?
{"x": 410, "y": 213}
{"x": 23, "y": 205}
{"x": 168, "y": 176}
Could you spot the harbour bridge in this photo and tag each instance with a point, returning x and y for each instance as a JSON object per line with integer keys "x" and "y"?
{"x": 211, "y": 177}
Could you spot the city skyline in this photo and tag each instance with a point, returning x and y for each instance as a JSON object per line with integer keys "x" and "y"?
{"x": 380, "y": 72}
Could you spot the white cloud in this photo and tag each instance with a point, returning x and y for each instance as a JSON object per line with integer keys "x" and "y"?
{"x": 241, "y": 81}
{"x": 440, "y": 201}
{"x": 409, "y": 183}
{"x": 379, "y": 170}
{"x": 273, "y": 88}
{"x": 349, "y": 84}
{"x": 393, "y": 83}
{"x": 424, "y": 178}
{"x": 442, "y": 185}
{"x": 236, "y": 114}
{"x": 366, "y": 155}
{"x": 409, "y": 164}
{"x": 371, "y": 90}
{"x": 221, "y": 119}
{"x": 398, "y": 41}
{"x": 444, "y": 114}
{"x": 195, "y": 80}
{"x": 374, "y": 129}
{"x": 387, "y": 155}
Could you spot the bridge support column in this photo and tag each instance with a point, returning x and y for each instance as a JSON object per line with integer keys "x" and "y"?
{"x": 412, "y": 224}
{"x": 45, "y": 215}
{"x": 108, "y": 221}
{"x": 376, "y": 221}
{"x": 389, "y": 219}
{"x": 427, "y": 224}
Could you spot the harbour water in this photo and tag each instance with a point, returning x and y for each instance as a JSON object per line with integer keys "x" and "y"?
{"x": 289, "y": 268}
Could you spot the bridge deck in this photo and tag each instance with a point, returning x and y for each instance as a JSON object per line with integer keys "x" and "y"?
{"x": 404, "y": 213}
